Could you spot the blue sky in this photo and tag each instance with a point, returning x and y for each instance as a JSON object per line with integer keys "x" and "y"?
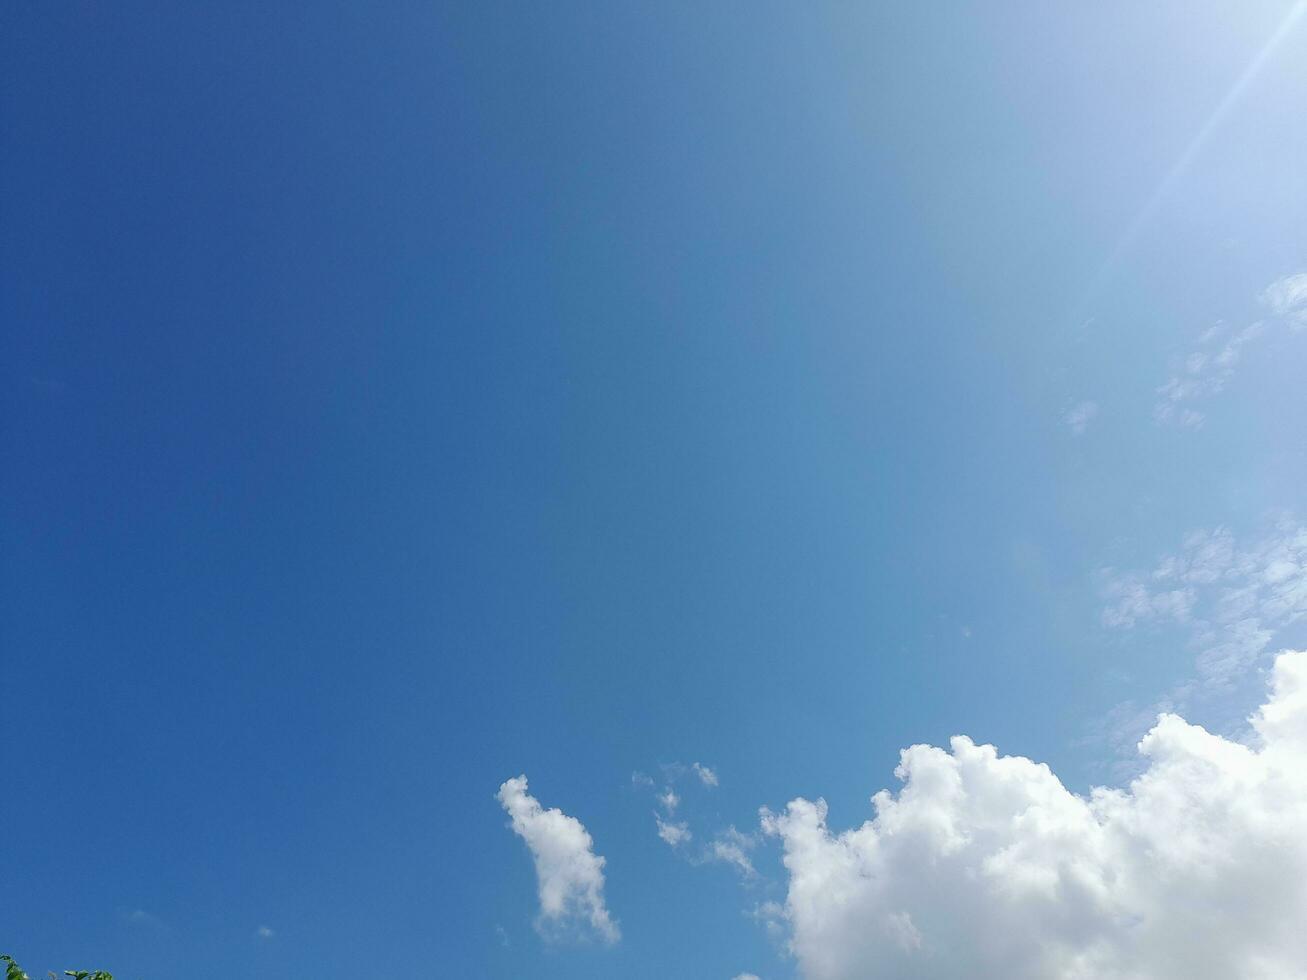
{"x": 398, "y": 400}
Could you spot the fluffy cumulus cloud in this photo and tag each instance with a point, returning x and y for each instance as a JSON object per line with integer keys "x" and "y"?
{"x": 706, "y": 776}
{"x": 985, "y": 865}
{"x": 569, "y": 874}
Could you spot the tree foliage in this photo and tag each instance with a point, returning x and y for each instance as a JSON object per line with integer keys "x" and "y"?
{"x": 15, "y": 972}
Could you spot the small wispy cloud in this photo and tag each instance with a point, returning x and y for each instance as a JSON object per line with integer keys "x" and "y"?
{"x": 1205, "y": 371}
{"x": 771, "y": 915}
{"x": 263, "y": 932}
{"x": 1203, "y": 374}
{"x": 706, "y": 776}
{"x": 674, "y": 833}
{"x": 1133, "y": 600}
{"x": 677, "y": 833}
{"x": 1231, "y": 596}
{"x": 1287, "y": 298}
{"x": 1077, "y": 417}
{"x": 732, "y": 847}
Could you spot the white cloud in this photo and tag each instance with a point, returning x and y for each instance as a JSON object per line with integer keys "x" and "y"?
{"x": 263, "y": 932}
{"x": 985, "y": 865}
{"x": 706, "y": 775}
{"x": 746, "y": 976}
{"x": 772, "y": 916}
{"x": 674, "y": 834}
{"x": 1131, "y": 601}
{"x": 1204, "y": 373}
{"x": 140, "y": 917}
{"x": 1232, "y": 597}
{"x": 732, "y": 847}
{"x": 1287, "y": 298}
{"x": 1078, "y": 417}
{"x": 1232, "y": 601}
{"x": 569, "y": 874}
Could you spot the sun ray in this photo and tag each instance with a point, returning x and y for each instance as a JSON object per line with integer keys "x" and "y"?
{"x": 1195, "y": 146}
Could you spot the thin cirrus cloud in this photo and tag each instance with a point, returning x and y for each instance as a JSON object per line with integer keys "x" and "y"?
{"x": 985, "y": 865}
{"x": 1287, "y": 298}
{"x": 1078, "y": 416}
{"x": 1207, "y": 369}
{"x": 1231, "y": 596}
{"x": 1205, "y": 372}
{"x": 569, "y": 875}
{"x": 1230, "y": 600}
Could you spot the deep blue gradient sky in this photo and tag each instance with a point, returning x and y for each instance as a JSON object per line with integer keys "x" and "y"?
{"x": 399, "y": 398}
